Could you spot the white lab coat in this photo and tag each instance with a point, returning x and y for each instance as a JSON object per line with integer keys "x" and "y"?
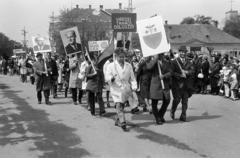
{"x": 124, "y": 82}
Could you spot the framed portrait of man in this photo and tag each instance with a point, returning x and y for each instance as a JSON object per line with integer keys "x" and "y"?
{"x": 41, "y": 44}
{"x": 71, "y": 41}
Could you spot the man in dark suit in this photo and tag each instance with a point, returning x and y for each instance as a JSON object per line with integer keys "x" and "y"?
{"x": 54, "y": 74}
{"x": 157, "y": 92}
{"x": 72, "y": 46}
{"x": 40, "y": 44}
{"x": 42, "y": 77}
{"x": 182, "y": 83}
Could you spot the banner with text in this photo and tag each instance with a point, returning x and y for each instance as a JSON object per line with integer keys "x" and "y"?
{"x": 152, "y": 36}
{"x": 124, "y": 22}
{"x": 97, "y": 45}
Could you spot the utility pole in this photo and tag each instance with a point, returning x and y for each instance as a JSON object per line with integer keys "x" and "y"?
{"x": 231, "y": 4}
{"x": 24, "y": 40}
{"x": 130, "y": 8}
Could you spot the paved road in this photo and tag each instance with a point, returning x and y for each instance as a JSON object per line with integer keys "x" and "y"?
{"x": 64, "y": 130}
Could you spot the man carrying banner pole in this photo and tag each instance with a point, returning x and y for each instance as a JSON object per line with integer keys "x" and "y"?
{"x": 182, "y": 86}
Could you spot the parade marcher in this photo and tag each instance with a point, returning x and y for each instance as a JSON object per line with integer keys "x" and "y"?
{"x": 144, "y": 77}
{"x": 203, "y": 75}
{"x": 54, "y": 73}
{"x": 11, "y": 66}
{"x": 23, "y": 69}
{"x": 75, "y": 83}
{"x": 122, "y": 81}
{"x": 95, "y": 84}
{"x": 66, "y": 72}
{"x": 4, "y": 66}
{"x": 29, "y": 65}
{"x": 157, "y": 91}
{"x": 182, "y": 83}
{"x": 214, "y": 72}
{"x": 60, "y": 65}
{"x": 42, "y": 71}
{"x": 83, "y": 69}
{"x": 107, "y": 85}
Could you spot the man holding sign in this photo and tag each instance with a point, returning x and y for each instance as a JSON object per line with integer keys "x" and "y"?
{"x": 154, "y": 42}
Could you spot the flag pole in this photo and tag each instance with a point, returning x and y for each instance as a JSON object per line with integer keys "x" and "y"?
{"x": 160, "y": 73}
{"x": 90, "y": 60}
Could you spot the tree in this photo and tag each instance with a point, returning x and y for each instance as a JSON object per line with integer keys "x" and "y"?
{"x": 232, "y": 26}
{"x": 200, "y": 19}
{"x": 135, "y": 41}
{"x": 188, "y": 20}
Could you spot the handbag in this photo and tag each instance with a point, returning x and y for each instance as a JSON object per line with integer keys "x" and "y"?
{"x": 200, "y": 75}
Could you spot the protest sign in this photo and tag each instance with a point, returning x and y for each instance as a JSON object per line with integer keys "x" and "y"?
{"x": 41, "y": 44}
{"x": 152, "y": 36}
{"x": 97, "y": 45}
{"x": 124, "y": 22}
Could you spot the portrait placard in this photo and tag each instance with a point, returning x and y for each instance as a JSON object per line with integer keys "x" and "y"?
{"x": 71, "y": 41}
{"x": 41, "y": 44}
{"x": 124, "y": 22}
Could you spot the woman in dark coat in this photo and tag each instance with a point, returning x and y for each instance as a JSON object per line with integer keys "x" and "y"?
{"x": 214, "y": 75}
{"x": 204, "y": 69}
{"x": 144, "y": 81}
{"x": 95, "y": 83}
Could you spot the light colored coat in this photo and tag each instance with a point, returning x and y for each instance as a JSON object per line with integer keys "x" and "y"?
{"x": 74, "y": 81}
{"x": 83, "y": 69}
{"x": 124, "y": 82}
{"x": 104, "y": 72}
{"x": 23, "y": 69}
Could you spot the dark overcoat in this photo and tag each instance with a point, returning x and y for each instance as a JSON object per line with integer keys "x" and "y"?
{"x": 66, "y": 71}
{"x": 42, "y": 80}
{"x": 204, "y": 69}
{"x": 156, "y": 90}
{"x": 214, "y": 75}
{"x": 178, "y": 81}
{"x": 144, "y": 79}
{"x": 95, "y": 83}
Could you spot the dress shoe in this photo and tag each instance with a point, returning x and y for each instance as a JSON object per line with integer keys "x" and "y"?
{"x": 75, "y": 103}
{"x": 39, "y": 102}
{"x": 133, "y": 111}
{"x": 172, "y": 115}
{"x": 108, "y": 105}
{"x": 48, "y": 103}
{"x": 158, "y": 121}
{"x": 103, "y": 113}
{"x": 163, "y": 120}
{"x": 80, "y": 101}
{"x": 123, "y": 125}
{"x": 184, "y": 119}
{"x": 145, "y": 109}
{"x": 117, "y": 122}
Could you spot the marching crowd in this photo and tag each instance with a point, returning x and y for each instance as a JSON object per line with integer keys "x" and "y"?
{"x": 134, "y": 81}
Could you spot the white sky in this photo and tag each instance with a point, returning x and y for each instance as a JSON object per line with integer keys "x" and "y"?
{"x": 34, "y": 14}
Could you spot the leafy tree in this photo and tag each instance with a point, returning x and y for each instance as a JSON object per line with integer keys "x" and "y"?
{"x": 135, "y": 41}
{"x": 188, "y": 20}
{"x": 232, "y": 26}
{"x": 200, "y": 19}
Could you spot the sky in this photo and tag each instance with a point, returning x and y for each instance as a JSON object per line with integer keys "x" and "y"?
{"x": 34, "y": 14}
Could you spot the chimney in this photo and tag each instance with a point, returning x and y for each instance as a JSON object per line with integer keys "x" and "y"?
{"x": 166, "y": 22}
{"x": 76, "y": 6}
{"x": 120, "y": 5}
{"x": 90, "y": 7}
{"x": 101, "y": 7}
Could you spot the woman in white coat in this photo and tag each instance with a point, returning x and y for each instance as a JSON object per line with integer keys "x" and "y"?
{"x": 122, "y": 81}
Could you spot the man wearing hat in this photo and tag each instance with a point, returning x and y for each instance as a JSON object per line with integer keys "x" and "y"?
{"x": 42, "y": 76}
{"x": 182, "y": 71}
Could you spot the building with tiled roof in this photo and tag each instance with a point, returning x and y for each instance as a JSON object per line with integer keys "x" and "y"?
{"x": 198, "y": 37}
